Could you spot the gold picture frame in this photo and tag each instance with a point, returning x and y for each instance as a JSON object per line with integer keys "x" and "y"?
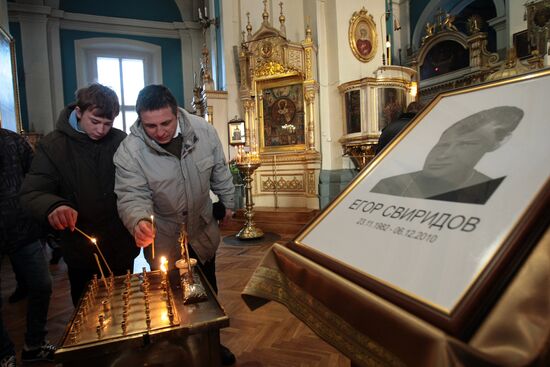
{"x": 10, "y": 116}
{"x": 362, "y": 35}
{"x": 282, "y": 109}
{"x": 445, "y": 254}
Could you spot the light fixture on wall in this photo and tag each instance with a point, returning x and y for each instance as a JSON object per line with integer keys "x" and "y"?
{"x": 206, "y": 21}
{"x": 413, "y": 89}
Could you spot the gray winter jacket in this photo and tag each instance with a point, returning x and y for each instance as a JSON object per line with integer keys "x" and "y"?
{"x": 151, "y": 181}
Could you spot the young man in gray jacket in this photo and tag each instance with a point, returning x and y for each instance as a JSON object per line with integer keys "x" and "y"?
{"x": 166, "y": 168}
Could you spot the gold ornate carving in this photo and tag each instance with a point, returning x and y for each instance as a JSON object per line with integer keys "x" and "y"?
{"x": 291, "y": 183}
{"x": 310, "y": 96}
{"x": 309, "y": 64}
{"x": 360, "y": 154}
{"x": 279, "y": 119}
{"x": 429, "y": 31}
{"x": 448, "y": 22}
{"x": 481, "y": 61}
{"x": 474, "y": 23}
{"x": 538, "y": 25}
{"x": 311, "y": 184}
{"x": 248, "y": 104}
{"x": 272, "y": 68}
{"x": 266, "y": 49}
{"x": 513, "y": 66}
{"x": 210, "y": 114}
{"x": 295, "y": 59}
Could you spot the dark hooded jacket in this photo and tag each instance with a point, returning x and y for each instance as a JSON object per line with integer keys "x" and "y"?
{"x": 17, "y": 228}
{"x": 71, "y": 169}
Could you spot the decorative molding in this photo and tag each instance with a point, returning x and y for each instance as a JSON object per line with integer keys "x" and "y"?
{"x": 272, "y": 68}
{"x": 282, "y": 183}
{"x": 216, "y": 94}
{"x": 295, "y": 60}
{"x": 102, "y": 24}
{"x": 311, "y": 182}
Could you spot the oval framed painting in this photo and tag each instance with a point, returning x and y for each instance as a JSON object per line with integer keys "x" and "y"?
{"x": 362, "y": 35}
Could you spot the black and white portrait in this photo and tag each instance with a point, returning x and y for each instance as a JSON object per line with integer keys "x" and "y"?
{"x": 449, "y": 172}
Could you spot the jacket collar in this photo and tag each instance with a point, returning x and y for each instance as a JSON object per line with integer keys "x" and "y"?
{"x": 63, "y": 125}
{"x": 184, "y": 126}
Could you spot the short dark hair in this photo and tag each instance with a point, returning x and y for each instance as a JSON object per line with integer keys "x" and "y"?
{"x": 154, "y": 97}
{"x": 413, "y": 107}
{"x": 506, "y": 119}
{"x": 102, "y": 101}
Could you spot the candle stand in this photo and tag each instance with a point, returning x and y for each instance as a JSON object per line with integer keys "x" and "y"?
{"x": 249, "y": 231}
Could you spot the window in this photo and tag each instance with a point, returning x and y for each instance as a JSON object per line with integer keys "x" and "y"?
{"x": 126, "y": 78}
{"x": 124, "y": 65}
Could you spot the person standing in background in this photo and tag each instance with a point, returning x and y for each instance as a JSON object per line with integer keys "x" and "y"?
{"x": 395, "y": 127}
{"x": 20, "y": 240}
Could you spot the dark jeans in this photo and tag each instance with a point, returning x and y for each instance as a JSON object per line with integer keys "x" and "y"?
{"x": 19, "y": 278}
{"x": 30, "y": 259}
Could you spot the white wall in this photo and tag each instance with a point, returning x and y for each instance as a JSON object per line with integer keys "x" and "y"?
{"x": 4, "y": 22}
{"x": 515, "y": 19}
{"x": 338, "y": 65}
{"x": 350, "y": 67}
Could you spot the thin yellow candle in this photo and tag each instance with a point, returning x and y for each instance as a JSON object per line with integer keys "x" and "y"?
{"x": 154, "y": 233}
{"x": 84, "y": 234}
{"x": 101, "y": 271}
{"x": 187, "y": 257}
{"x": 94, "y": 242}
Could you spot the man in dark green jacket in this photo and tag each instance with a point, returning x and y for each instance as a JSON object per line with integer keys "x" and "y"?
{"x": 71, "y": 184}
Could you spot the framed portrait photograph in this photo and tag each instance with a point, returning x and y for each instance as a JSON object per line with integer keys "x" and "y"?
{"x": 362, "y": 35}
{"x": 282, "y": 115}
{"x": 236, "y": 132}
{"x": 440, "y": 220}
{"x": 9, "y": 96}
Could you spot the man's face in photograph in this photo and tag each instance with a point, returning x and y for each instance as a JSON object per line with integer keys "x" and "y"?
{"x": 456, "y": 153}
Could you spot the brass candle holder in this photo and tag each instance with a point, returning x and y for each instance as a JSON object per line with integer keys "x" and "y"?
{"x": 249, "y": 231}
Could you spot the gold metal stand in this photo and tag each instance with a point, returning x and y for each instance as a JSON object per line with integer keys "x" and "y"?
{"x": 249, "y": 231}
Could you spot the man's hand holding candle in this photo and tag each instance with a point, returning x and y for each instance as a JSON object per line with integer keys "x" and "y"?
{"x": 143, "y": 233}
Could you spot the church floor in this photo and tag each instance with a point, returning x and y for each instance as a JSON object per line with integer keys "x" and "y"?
{"x": 267, "y": 337}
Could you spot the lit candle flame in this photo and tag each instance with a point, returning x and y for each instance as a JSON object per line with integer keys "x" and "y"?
{"x": 163, "y": 264}
{"x": 94, "y": 242}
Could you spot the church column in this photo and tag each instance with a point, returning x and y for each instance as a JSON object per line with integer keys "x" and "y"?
{"x": 36, "y": 64}
{"x": 499, "y": 25}
{"x": 310, "y": 89}
{"x": 188, "y": 64}
{"x": 56, "y": 73}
